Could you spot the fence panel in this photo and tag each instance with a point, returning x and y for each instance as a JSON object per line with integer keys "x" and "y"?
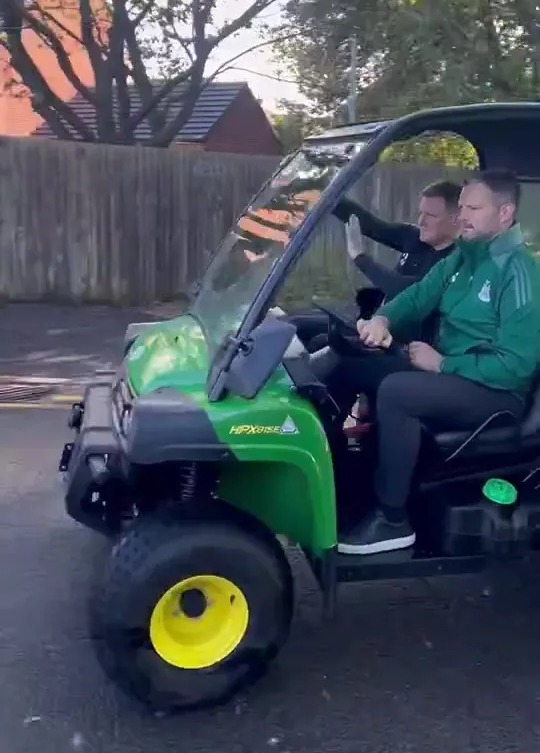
{"x": 136, "y": 225}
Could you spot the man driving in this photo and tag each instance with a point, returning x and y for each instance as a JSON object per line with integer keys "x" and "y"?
{"x": 420, "y": 246}
{"x": 483, "y": 360}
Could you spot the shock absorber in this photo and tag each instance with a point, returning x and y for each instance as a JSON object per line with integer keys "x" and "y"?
{"x": 197, "y": 482}
{"x": 188, "y": 482}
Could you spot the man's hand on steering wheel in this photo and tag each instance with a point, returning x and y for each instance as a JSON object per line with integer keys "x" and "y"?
{"x": 374, "y": 332}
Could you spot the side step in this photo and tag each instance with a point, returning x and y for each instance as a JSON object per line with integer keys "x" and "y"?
{"x": 334, "y": 568}
{"x": 405, "y": 563}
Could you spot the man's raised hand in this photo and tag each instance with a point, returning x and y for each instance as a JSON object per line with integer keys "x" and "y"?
{"x": 353, "y": 234}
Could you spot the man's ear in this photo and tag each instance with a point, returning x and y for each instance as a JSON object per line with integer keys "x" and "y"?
{"x": 507, "y": 213}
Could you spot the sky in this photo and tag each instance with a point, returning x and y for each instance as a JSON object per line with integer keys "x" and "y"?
{"x": 257, "y": 62}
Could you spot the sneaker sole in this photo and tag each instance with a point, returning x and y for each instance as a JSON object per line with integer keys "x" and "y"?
{"x": 380, "y": 546}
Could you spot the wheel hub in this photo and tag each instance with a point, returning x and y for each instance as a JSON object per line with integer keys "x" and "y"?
{"x": 193, "y": 603}
{"x": 199, "y": 621}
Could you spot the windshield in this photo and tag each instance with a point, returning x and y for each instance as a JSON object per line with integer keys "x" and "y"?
{"x": 247, "y": 254}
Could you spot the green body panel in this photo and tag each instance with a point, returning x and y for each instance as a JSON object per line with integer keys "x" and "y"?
{"x": 168, "y": 354}
{"x": 285, "y": 476}
{"x": 285, "y": 480}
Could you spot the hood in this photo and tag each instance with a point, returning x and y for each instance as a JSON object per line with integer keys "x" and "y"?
{"x": 168, "y": 354}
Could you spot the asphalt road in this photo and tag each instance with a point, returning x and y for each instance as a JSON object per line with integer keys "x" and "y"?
{"x": 46, "y": 340}
{"x": 418, "y": 667}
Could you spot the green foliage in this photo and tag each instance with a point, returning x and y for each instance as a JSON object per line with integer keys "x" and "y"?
{"x": 293, "y": 123}
{"x": 413, "y": 53}
{"x": 444, "y": 149}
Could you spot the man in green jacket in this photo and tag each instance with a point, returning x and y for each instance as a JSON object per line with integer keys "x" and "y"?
{"x": 484, "y": 357}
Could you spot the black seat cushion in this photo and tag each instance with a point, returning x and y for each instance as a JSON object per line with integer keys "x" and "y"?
{"x": 504, "y": 433}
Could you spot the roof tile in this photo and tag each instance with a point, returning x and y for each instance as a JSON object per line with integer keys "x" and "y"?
{"x": 212, "y": 104}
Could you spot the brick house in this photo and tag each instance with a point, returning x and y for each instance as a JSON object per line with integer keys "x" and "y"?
{"x": 227, "y": 117}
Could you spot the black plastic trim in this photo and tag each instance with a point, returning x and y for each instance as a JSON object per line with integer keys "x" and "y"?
{"x": 167, "y": 426}
{"x": 95, "y": 439}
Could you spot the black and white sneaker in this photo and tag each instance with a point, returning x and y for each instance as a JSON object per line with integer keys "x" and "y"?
{"x": 377, "y": 534}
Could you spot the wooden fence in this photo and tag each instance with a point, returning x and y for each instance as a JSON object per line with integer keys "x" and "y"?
{"x": 135, "y": 225}
{"x": 114, "y": 224}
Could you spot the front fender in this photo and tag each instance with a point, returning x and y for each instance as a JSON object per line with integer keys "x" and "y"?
{"x": 283, "y": 472}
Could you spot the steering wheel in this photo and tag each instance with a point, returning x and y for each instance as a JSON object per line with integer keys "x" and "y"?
{"x": 343, "y": 335}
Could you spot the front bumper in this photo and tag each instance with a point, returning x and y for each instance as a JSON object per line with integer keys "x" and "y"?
{"x": 93, "y": 461}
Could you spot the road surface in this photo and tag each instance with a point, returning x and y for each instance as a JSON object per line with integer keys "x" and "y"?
{"x": 406, "y": 668}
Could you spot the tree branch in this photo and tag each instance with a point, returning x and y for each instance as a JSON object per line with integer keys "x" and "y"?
{"x": 53, "y": 120}
{"x": 258, "y": 73}
{"x": 201, "y": 15}
{"x": 111, "y": 73}
{"x": 42, "y": 30}
{"x": 496, "y": 55}
{"x": 197, "y": 85}
{"x": 157, "y": 98}
{"x": 144, "y": 13}
{"x": 140, "y": 78}
{"x": 88, "y": 39}
{"x": 118, "y": 74}
{"x": 528, "y": 14}
{"x": 241, "y": 22}
{"x": 44, "y": 101}
{"x": 203, "y": 46}
{"x": 228, "y": 63}
{"x": 101, "y": 68}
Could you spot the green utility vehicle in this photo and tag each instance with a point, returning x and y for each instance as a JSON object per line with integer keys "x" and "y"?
{"x": 216, "y": 440}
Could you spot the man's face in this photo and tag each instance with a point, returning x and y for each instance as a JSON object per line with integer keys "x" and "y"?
{"x": 438, "y": 225}
{"x": 481, "y": 213}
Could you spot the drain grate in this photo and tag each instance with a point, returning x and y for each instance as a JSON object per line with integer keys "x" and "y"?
{"x": 14, "y": 392}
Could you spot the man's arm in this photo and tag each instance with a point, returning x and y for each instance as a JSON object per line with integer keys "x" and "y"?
{"x": 417, "y": 302}
{"x": 388, "y": 280}
{"x": 514, "y": 355}
{"x": 396, "y": 235}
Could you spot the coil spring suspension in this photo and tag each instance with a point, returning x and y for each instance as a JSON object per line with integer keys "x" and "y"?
{"x": 188, "y": 482}
{"x": 197, "y": 482}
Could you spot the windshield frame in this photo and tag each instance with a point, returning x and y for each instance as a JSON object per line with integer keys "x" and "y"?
{"x": 322, "y": 164}
{"x": 298, "y": 242}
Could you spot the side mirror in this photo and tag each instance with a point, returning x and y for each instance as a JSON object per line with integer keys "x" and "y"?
{"x": 258, "y": 357}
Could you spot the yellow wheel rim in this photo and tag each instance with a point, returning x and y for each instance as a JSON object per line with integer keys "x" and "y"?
{"x": 198, "y": 622}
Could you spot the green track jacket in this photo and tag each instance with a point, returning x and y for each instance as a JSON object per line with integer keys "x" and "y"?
{"x": 487, "y": 297}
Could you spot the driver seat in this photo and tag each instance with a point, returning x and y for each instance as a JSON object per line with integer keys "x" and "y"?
{"x": 502, "y": 433}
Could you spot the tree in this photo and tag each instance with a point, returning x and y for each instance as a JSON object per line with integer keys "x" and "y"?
{"x": 413, "y": 53}
{"x": 293, "y": 123}
{"x": 447, "y": 149}
{"x": 124, "y": 40}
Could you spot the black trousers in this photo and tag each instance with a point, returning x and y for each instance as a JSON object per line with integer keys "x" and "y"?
{"x": 405, "y": 399}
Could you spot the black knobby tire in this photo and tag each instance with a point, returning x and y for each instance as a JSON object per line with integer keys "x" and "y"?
{"x": 155, "y": 554}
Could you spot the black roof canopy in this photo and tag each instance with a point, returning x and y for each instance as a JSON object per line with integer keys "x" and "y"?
{"x": 505, "y": 134}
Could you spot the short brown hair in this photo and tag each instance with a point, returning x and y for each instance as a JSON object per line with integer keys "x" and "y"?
{"x": 503, "y": 183}
{"x": 446, "y": 190}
